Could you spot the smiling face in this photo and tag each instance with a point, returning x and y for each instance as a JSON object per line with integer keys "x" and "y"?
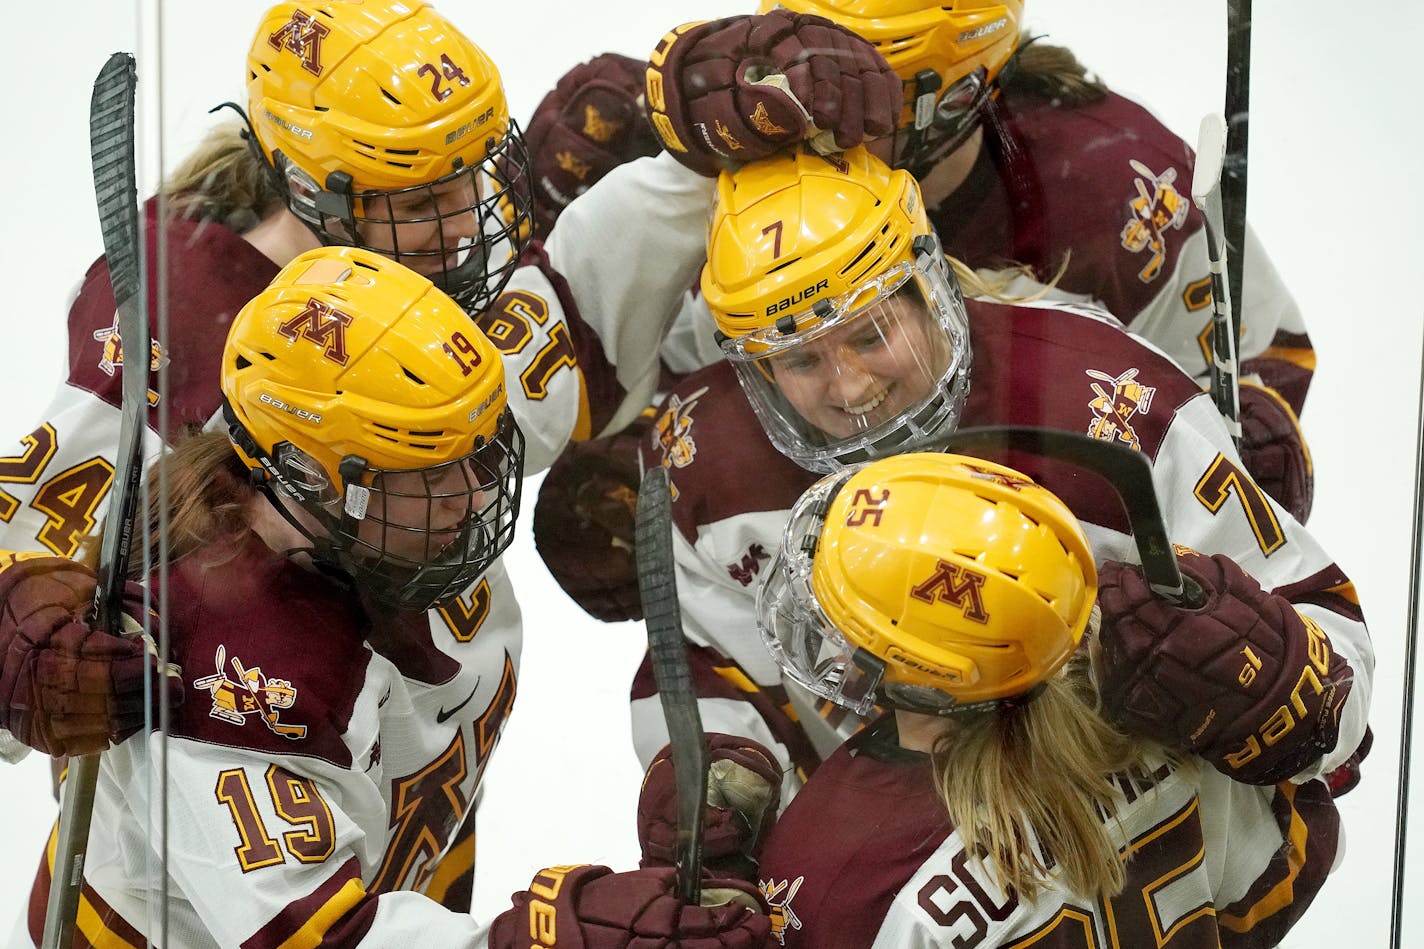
{"x": 865, "y": 372}
{"x": 429, "y": 228}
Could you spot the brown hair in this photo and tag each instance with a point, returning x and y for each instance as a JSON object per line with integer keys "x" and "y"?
{"x": 1045, "y": 71}
{"x": 1029, "y": 786}
{"x": 201, "y": 497}
{"x": 223, "y": 181}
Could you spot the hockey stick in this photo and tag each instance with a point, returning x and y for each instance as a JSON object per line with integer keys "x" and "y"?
{"x": 111, "y": 145}
{"x": 658, "y": 588}
{"x": 1130, "y": 474}
{"x": 1411, "y": 655}
{"x": 1207, "y": 196}
{"x": 1233, "y": 172}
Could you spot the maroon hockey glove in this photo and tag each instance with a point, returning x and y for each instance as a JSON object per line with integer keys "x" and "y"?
{"x": 743, "y": 795}
{"x": 1245, "y": 681}
{"x": 1274, "y": 451}
{"x": 65, "y": 688}
{"x": 590, "y": 907}
{"x": 591, "y": 122}
{"x": 734, "y": 90}
{"x": 583, "y": 524}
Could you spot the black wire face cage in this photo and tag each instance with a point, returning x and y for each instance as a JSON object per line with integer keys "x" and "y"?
{"x": 411, "y": 538}
{"x": 464, "y": 231}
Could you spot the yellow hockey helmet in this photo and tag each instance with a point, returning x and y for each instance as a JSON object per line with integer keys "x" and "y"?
{"x": 836, "y": 306}
{"x": 931, "y": 582}
{"x": 389, "y": 130}
{"x": 358, "y": 390}
{"x": 947, "y": 54}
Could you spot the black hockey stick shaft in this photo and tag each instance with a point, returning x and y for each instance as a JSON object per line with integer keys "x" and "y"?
{"x": 657, "y": 585}
{"x": 1238, "y": 122}
{"x": 1207, "y": 196}
{"x": 111, "y": 143}
{"x": 1130, "y": 474}
{"x": 1411, "y": 658}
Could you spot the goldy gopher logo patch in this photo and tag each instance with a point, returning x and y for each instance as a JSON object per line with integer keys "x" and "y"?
{"x": 1113, "y": 410}
{"x": 251, "y": 693}
{"x": 1154, "y": 212}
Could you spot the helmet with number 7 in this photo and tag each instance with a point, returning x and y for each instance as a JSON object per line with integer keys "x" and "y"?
{"x": 947, "y": 54}
{"x": 836, "y": 306}
{"x": 388, "y": 129}
{"x": 373, "y": 413}
{"x": 929, "y": 582}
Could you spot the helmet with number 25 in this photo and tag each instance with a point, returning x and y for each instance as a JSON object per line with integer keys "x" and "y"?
{"x": 364, "y": 397}
{"x": 389, "y": 130}
{"x": 929, "y": 582}
{"x": 836, "y": 306}
{"x": 947, "y": 55}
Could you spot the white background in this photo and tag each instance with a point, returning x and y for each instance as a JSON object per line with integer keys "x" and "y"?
{"x": 1334, "y": 132}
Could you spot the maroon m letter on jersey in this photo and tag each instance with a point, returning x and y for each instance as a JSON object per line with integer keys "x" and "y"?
{"x": 322, "y": 324}
{"x": 302, "y": 35}
{"x": 957, "y": 586}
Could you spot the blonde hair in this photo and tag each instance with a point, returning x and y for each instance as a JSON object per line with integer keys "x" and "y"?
{"x": 224, "y": 181}
{"x": 1029, "y": 788}
{"x": 1045, "y": 71}
{"x": 976, "y": 284}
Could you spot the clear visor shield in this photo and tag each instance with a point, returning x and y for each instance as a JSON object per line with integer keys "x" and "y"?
{"x": 880, "y": 370}
{"x": 416, "y": 537}
{"x": 464, "y": 231}
{"x": 795, "y": 629}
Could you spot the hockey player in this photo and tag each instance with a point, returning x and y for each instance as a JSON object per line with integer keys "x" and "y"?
{"x": 333, "y": 741}
{"x": 241, "y": 206}
{"x": 1023, "y": 158}
{"x": 1016, "y": 794}
{"x": 848, "y": 335}
{"x": 436, "y": 177}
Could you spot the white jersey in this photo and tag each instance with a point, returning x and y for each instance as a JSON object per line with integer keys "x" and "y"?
{"x": 319, "y": 770}
{"x": 1046, "y": 365}
{"x": 867, "y": 857}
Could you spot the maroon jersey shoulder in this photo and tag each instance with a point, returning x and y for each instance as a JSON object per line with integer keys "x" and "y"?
{"x": 210, "y": 273}
{"x": 847, "y": 844}
{"x": 1059, "y": 368}
{"x": 1115, "y": 188}
{"x": 718, "y": 458}
{"x": 273, "y": 656}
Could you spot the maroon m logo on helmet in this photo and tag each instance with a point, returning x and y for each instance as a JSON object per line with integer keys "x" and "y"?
{"x": 957, "y": 586}
{"x": 302, "y": 34}
{"x": 323, "y": 324}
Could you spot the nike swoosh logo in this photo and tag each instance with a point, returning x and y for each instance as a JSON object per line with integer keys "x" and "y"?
{"x": 442, "y": 715}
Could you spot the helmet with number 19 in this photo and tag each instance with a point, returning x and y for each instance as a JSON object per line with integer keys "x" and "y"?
{"x": 388, "y": 129}
{"x": 373, "y": 412}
